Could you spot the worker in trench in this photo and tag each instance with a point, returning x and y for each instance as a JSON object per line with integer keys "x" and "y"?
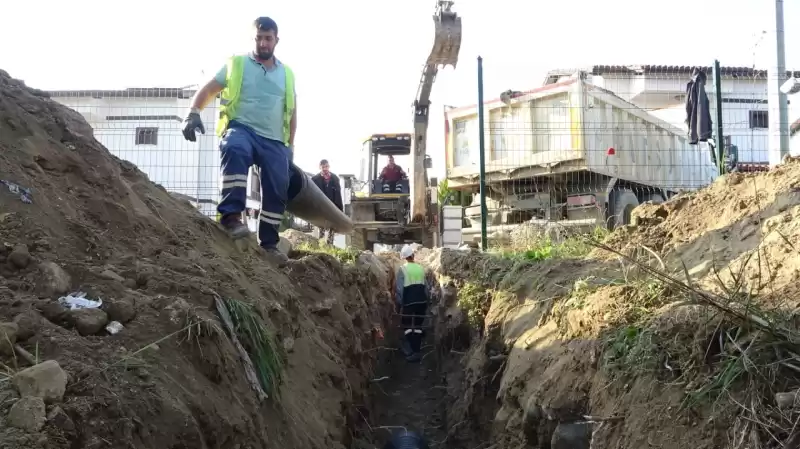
{"x": 257, "y": 124}
{"x": 413, "y": 295}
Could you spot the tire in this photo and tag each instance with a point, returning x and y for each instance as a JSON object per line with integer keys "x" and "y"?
{"x": 358, "y": 241}
{"x": 625, "y": 202}
{"x": 655, "y": 198}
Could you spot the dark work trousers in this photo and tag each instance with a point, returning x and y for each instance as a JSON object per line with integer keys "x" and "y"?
{"x": 413, "y": 317}
{"x": 241, "y": 148}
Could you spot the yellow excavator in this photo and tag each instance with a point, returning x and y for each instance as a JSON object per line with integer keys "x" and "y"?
{"x": 404, "y": 212}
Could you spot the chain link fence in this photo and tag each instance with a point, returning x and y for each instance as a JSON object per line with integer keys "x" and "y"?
{"x": 580, "y": 151}
{"x": 144, "y": 126}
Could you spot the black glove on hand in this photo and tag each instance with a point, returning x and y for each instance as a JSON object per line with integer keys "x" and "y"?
{"x": 191, "y": 123}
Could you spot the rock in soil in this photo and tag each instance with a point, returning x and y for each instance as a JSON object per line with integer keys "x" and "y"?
{"x": 46, "y": 380}
{"x": 8, "y": 336}
{"x": 122, "y": 311}
{"x": 20, "y": 257}
{"x": 29, "y": 323}
{"x": 88, "y": 321}
{"x": 59, "y": 418}
{"x": 111, "y": 276}
{"x": 28, "y": 414}
{"x": 572, "y": 436}
{"x": 54, "y": 312}
{"x": 55, "y": 281}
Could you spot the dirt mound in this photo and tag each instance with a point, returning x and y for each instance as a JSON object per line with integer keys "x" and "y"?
{"x": 742, "y": 223}
{"x": 684, "y": 335}
{"x": 172, "y": 377}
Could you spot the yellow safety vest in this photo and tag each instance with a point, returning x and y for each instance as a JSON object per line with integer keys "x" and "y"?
{"x": 413, "y": 274}
{"x": 233, "y": 87}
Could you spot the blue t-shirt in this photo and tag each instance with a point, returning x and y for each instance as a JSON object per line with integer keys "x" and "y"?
{"x": 262, "y": 98}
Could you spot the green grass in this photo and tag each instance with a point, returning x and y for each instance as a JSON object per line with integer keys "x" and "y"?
{"x": 259, "y": 343}
{"x": 629, "y": 351}
{"x": 475, "y": 301}
{"x": 346, "y": 256}
{"x": 545, "y": 248}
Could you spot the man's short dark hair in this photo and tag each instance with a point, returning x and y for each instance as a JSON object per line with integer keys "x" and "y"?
{"x": 323, "y": 162}
{"x": 265, "y": 24}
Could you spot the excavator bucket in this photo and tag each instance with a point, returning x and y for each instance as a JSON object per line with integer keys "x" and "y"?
{"x": 447, "y": 41}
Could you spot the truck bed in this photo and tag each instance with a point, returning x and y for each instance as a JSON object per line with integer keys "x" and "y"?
{"x": 570, "y": 127}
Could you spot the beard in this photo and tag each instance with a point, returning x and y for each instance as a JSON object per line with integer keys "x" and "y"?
{"x": 264, "y": 55}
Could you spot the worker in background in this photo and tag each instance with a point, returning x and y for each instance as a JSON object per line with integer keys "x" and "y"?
{"x": 257, "y": 123}
{"x": 412, "y": 294}
{"x": 390, "y": 177}
{"x": 332, "y": 188}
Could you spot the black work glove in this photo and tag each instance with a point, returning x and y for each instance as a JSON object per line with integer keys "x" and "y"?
{"x": 191, "y": 123}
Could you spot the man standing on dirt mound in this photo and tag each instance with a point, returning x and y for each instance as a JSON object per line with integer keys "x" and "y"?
{"x": 412, "y": 294}
{"x": 257, "y": 123}
{"x": 330, "y": 185}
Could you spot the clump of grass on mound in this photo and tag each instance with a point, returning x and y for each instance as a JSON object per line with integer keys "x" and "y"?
{"x": 347, "y": 255}
{"x": 259, "y": 343}
{"x": 475, "y": 301}
{"x": 630, "y": 347}
{"x": 731, "y": 354}
{"x": 545, "y": 247}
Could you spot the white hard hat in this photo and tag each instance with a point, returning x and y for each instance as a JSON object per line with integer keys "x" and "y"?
{"x": 406, "y": 252}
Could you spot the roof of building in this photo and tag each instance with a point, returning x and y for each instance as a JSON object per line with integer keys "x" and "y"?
{"x": 132, "y": 92}
{"x": 728, "y": 72}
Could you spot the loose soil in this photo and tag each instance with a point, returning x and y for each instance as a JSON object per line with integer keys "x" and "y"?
{"x": 172, "y": 377}
{"x": 602, "y": 345}
{"x": 640, "y": 344}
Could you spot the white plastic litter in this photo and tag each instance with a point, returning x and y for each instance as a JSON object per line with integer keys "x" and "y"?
{"x": 114, "y": 327}
{"x": 78, "y": 300}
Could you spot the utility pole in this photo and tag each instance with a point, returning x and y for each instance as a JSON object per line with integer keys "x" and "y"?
{"x": 482, "y": 158}
{"x": 778, "y": 103}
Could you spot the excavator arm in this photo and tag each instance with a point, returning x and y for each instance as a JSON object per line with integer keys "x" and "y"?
{"x": 446, "y": 45}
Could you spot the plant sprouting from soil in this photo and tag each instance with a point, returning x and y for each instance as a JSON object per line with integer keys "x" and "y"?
{"x": 544, "y": 247}
{"x": 259, "y": 343}
{"x": 345, "y": 256}
{"x": 475, "y": 301}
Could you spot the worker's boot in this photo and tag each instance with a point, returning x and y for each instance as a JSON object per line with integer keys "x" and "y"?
{"x": 405, "y": 346}
{"x": 275, "y": 256}
{"x": 413, "y": 358}
{"x": 233, "y": 224}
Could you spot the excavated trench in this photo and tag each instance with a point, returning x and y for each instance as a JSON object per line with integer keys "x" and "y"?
{"x": 429, "y": 397}
{"x": 550, "y": 354}
{"x": 177, "y": 337}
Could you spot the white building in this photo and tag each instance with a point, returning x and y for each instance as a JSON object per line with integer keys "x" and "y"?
{"x": 144, "y": 126}
{"x": 661, "y": 90}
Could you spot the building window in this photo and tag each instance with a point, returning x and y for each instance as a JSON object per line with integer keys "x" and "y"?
{"x": 146, "y": 136}
{"x": 759, "y": 119}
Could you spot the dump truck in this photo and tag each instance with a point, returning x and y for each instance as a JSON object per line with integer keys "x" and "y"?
{"x": 405, "y": 215}
{"x": 571, "y": 153}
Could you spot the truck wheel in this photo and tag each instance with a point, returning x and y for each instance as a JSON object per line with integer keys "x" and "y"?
{"x": 655, "y": 198}
{"x": 358, "y": 241}
{"x": 625, "y": 202}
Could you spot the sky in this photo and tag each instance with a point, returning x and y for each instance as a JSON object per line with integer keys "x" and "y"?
{"x": 358, "y": 62}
